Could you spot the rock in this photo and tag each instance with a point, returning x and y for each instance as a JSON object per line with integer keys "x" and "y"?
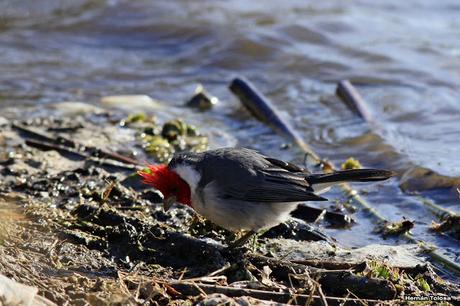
{"x": 201, "y": 99}
{"x": 131, "y": 102}
{"x": 4, "y": 121}
{"x": 402, "y": 256}
{"x": 76, "y": 108}
{"x": 421, "y": 179}
{"x": 14, "y": 293}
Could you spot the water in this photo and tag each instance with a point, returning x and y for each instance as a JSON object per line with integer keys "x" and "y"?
{"x": 403, "y": 56}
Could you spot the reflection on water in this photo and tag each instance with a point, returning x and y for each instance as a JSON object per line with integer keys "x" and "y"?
{"x": 403, "y": 56}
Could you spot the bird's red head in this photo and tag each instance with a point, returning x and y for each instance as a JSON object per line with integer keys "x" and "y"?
{"x": 168, "y": 182}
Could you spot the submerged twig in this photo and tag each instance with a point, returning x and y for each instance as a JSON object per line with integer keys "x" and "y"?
{"x": 353, "y": 100}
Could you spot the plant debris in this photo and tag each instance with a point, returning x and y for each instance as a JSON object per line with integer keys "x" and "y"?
{"x": 161, "y": 142}
{"x": 351, "y": 163}
{"x": 201, "y": 99}
{"x": 450, "y": 225}
{"x": 394, "y": 228}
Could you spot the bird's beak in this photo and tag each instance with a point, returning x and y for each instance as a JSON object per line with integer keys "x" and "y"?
{"x": 168, "y": 202}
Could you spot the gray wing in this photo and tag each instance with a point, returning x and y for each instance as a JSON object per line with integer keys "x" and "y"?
{"x": 246, "y": 175}
{"x": 269, "y": 193}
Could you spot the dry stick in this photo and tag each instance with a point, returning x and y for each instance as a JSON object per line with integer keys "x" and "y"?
{"x": 62, "y": 141}
{"x": 321, "y": 294}
{"x": 63, "y": 149}
{"x": 263, "y": 110}
{"x": 221, "y": 270}
{"x": 41, "y": 135}
{"x": 193, "y": 289}
{"x": 327, "y": 264}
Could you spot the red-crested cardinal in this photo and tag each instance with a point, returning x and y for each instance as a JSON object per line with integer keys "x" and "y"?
{"x": 240, "y": 189}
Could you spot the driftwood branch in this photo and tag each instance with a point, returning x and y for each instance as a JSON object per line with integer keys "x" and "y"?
{"x": 355, "y": 102}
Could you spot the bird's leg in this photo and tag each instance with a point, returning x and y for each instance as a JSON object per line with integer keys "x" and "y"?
{"x": 241, "y": 241}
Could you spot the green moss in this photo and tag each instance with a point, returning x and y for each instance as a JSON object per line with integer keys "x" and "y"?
{"x": 136, "y": 117}
{"x": 423, "y": 284}
{"x": 161, "y": 142}
{"x": 174, "y": 129}
{"x": 158, "y": 147}
{"x": 381, "y": 270}
{"x": 351, "y": 163}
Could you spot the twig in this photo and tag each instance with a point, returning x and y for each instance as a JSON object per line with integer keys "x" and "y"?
{"x": 181, "y": 276}
{"x": 320, "y": 293}
{"x": 320, "y": 216}
{"x": 66, "y": 150}
{"x": 46, "y": 146}
{"x": 42, "y": 135}
{"x": 356, "y": 297}
{"x": 326, "y": 264}
{"x": 193, "y": 289}
{"x": 294, "y": 297}
{"x": 439, "y": 211}
{"x": 65, "y": 142}
{"x": 207, "y": 279}
{"x": 106, "y": 193}
{"x": 221, "y": 270}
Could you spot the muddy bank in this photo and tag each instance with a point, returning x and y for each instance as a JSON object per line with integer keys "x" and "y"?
{"x": 78, "y": 225}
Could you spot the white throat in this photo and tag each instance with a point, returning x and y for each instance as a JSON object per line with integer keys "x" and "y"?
{"x": 189, "y": 175}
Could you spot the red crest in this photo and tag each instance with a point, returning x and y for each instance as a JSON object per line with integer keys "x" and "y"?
{"x": 167, "y": 182}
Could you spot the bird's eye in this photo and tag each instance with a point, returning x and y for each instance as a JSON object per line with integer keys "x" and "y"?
{"x": 174, "y": 190}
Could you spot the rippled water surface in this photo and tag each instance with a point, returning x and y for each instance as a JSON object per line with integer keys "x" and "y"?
{"x": 404, "y": 57}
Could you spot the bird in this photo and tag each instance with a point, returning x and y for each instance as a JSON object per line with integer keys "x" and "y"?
{"x": 241, "y": 189}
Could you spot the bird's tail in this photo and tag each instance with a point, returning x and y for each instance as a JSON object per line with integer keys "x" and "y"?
{"x": 321, "y": 182}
